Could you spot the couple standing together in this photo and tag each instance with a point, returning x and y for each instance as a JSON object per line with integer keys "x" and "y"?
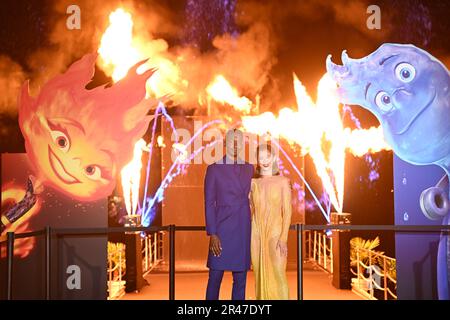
{"x": 248, "y": 221}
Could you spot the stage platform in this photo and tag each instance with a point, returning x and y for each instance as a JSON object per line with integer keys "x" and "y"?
{"x": 192, "y": 286}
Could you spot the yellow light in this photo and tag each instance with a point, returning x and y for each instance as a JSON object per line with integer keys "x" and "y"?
{"x": 221, "y": 91}
{"x": 318, "y": 129}
{"x": 131, "y": 177}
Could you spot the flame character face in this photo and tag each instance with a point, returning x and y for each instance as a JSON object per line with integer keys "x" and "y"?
{"x": 407, "y": 89}
{"x": 78, "y": 139}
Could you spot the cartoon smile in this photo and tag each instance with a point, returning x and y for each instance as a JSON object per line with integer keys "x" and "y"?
{"x": 408, "y": 125}
{"x": 59, "y": 169}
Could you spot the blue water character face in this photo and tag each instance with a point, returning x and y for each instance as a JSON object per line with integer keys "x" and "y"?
{"x": 407, "y": 90}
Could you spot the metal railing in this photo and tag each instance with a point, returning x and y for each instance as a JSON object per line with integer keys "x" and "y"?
{"x": 377, "y": 278}
{"x": 152, "y": 251}
{"x": 319, "y": 249}
{"x": 151, "y": 244}
{"x": 298, "y": 228}
{"x": 116, "y": 270}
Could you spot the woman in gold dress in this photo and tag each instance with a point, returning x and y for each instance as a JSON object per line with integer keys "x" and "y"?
{"x": 271, "y": 217}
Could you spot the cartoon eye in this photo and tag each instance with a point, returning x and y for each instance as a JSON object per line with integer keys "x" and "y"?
{"x": 383, "y": 101}
{"x": 405, "y": 72}
{"x": 93, "y": 172}
{"x": 60, "y": 139}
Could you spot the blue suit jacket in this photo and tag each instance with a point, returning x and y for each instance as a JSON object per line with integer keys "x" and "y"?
{"x": 228, "y": 216}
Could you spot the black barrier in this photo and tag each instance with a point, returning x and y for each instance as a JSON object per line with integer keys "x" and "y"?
{"x": 299, "y": 228}
{"x": 9, "y": 258}
{"x": 48, "y": 239}
{"x": 172, "y": 262}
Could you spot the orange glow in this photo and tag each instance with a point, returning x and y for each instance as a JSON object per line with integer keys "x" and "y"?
{"x": 160, "y": 142}
{"x": 360, "y": 142}
{"x": 318, "y": 129}
{"x": 314, "y": 126}
{"x": 116, "y": 46}
{"x": 120, "y": 49}
{"x": 220, "y": 90}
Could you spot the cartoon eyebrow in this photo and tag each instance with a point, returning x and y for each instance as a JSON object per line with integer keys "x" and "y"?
{"x": 69, "y": 122}
{"x": 367, "y": 89}
{"x": 109, "y": 153}
{"x": 387, "y": 58}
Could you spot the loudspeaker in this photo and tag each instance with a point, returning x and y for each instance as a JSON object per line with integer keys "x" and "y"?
{"x": 341, "y": 259}
{"x": 133, "y": 256}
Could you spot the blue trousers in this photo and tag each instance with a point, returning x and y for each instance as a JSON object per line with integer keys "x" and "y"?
{"x": 215, "y": 280}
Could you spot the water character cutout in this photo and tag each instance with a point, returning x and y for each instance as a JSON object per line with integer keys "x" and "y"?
{"x": 407, "y": 89}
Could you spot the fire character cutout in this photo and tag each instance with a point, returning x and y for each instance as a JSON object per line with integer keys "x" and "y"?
{"x": 78, "y": 139}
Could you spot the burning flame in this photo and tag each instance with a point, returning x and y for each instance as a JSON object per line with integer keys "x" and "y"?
{"x": 119, "y": 50}
{"x": 221, "y": 91}
{"x": 131, "y": 177}
{"x": 318, "y": 129}
{"x": 360, "y": 142}
{"x": 116, "y": 49}
{"x": 325, "y": 142}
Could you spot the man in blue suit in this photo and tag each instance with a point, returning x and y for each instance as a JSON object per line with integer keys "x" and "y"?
{"x": 228, "y": 218}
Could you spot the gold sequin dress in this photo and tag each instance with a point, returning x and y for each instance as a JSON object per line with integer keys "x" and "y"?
{"x": 270, "y": 200}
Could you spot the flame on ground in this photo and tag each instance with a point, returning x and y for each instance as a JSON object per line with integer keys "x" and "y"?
{"x": 131, "y": 177}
